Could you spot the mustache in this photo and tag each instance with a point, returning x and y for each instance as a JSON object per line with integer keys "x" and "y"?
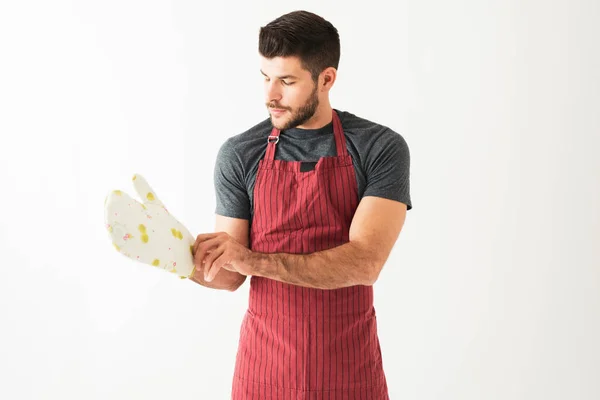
{"x": 275, "y": 105}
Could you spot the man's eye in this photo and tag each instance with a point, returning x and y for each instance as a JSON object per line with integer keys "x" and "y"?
{"x": 287, "y": 83}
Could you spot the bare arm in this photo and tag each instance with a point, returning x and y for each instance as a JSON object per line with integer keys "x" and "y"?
{"x": 225, "y": 280}
{"x": 374, "y": 230}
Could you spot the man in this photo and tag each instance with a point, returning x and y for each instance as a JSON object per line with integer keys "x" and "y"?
{"x": 309, "y": 204}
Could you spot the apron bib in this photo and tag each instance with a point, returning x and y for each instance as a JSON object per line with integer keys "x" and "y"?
{"x": 297, "y": 342}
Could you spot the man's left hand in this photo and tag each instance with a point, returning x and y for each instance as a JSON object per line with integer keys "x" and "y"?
{"x": 213, "y": 251}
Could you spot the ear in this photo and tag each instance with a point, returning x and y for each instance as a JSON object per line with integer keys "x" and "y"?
{"x": 328, "y": 78}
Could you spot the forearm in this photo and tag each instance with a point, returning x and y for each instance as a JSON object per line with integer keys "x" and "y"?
{"x": 342, "y": 266}
{"x": 224, "y": 280}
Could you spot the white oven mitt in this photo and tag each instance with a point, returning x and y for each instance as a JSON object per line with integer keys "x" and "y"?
{"x": 147, "y": 232}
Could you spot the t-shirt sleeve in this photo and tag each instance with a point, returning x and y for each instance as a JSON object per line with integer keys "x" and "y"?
{"x": 230, "y": 189}
{"x": 388, "y": 169}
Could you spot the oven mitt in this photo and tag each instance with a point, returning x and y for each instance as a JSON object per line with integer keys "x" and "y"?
{"x": 147, "y": 232}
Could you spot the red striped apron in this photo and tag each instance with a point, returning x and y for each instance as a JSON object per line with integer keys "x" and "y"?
{"x": 297, "y": 342}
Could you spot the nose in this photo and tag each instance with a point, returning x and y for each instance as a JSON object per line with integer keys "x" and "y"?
{"x": 272, "y": 92}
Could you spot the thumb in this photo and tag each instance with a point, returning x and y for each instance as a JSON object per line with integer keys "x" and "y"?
{"x": 144, "y": 191}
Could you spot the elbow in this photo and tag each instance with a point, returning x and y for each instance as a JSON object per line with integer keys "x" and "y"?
{"x": 372, "y": 278}
{"x": 373, "y": 273}
{"x": 372, "y": 263}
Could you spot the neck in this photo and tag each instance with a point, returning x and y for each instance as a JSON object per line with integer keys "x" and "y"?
{"x": 321, "y": 117}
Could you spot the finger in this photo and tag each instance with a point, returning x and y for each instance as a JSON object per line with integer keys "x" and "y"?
{"x": 198, "y": 271}
{"x": 203, "y": 238}
{"x": 144, "y": 190}
{"x": 201, "y": 247}
{"x": 204, "y": 248}
{"x": 211, "y": 266}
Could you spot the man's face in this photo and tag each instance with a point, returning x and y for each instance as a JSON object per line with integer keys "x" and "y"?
{"x": 290, "y": 93}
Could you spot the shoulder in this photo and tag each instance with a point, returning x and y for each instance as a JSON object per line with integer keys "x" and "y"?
{"x": 241, "y": 152}
{"x": 253, "y": 138}
{"x": 369, "y": 135}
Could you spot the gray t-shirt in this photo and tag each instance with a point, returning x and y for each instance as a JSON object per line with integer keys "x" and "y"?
{"x": 380, "y": 156}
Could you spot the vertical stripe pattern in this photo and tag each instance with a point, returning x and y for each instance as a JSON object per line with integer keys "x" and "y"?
{"x": 298, "y": 342}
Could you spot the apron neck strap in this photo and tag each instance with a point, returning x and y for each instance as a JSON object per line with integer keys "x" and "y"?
{"x": 338, "y": 133}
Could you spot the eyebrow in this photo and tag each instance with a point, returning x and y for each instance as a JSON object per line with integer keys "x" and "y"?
{"x": 282, "y": 76}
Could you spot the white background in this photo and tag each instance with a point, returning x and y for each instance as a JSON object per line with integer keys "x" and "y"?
{"x": 493, "y": 289}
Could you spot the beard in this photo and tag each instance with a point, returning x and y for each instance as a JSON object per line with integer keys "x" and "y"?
{"x": 300, "y": 115}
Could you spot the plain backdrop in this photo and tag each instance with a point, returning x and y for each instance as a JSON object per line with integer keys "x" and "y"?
{"x": 492, "y": 290}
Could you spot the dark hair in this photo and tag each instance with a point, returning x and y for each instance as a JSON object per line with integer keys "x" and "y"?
{"x": 305, "y": 35}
